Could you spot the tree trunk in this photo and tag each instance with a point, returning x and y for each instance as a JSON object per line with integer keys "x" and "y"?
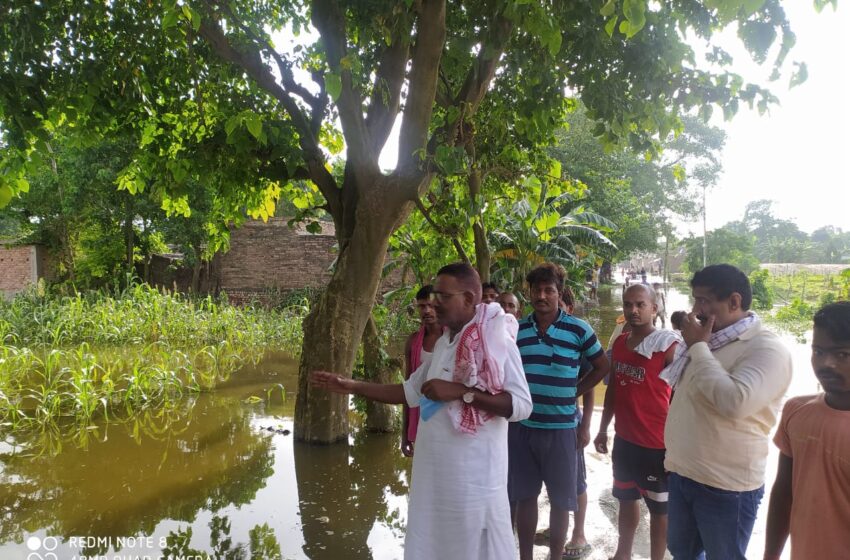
{"x": 379, "y": 417}
{"x": 334, "y": 326}
{"x": 129, "y": 235}
{"x": 482, "y": 250}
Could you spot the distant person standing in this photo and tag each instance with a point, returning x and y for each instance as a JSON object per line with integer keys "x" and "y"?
{"x": 660, "y": 305}
{"x": 594, "y": 283}
{"x": 417, "y": 349}
{"x": 489, "y": 292}
{"x": 729, "y": 378}
{"x": 810, "y": 500}
{"x": 639, "y": 400}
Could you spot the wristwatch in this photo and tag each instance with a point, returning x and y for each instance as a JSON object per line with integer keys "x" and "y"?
{"x": 468, "y": 397}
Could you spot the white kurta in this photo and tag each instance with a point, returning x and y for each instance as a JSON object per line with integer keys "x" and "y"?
{"x": 458, "y": 496}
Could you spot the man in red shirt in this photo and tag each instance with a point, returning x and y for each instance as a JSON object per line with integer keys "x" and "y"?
{"x": 639, "y": 399}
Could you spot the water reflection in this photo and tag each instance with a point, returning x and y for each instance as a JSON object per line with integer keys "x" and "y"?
{"x": 136, "y": 475}
{"x": 262, "y": 543}
{"x": 342, "y": 499}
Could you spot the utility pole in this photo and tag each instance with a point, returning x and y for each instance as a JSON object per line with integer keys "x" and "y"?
{"x": 704, "y": 231}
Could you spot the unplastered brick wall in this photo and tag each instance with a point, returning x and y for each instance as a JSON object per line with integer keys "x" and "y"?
{"x": 18, "y": 268}
{"x": 271, "y": 256}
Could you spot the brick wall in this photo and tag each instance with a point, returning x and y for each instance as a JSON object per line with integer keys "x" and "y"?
{"x": 18, "y": 266}
{"x": 270, "y": 255}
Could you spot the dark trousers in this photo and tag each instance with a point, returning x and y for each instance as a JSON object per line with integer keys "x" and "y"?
{"x": 709, "y": 523}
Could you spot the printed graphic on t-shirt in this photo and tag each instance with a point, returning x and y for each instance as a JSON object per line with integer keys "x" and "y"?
{"x": 629, "y": 373}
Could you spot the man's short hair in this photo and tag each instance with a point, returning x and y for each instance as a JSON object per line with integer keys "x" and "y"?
{"x": 834, "y": 318}
{"x": 676, "y": 319}
{"x": 490, "y": 286}
{"x": 723, "y": 280}
{"x": 425, "y": 292}
{"x": 547, "y": 273}
{"x": 465, "y": 275}
{"x": 650, "y": 291}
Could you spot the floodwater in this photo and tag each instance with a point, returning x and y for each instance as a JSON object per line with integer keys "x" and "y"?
{"x": 223, "y": 476}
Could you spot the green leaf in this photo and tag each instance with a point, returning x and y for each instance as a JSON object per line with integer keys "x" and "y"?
{"x": 546, "y": 222}
{"x": 333, "y": 84}
{"x": 5, "y": 195}
{"x": 170, "y": 20}
{"x": 255, "y": 124}
{"x": 751, "y": 6}
{"x": 554, "y": 169}
{"x": 231, "y": 124}
{"x": 800, "y": 75}
{"x": 609, "y": 8}
{"x": 196, "y": 20}
{"x": 635, "y": 13}
{"x": 551, "y": 38}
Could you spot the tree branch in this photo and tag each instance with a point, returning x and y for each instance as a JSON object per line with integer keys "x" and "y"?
{"x": 480, "y": 75}
{"x": 386, "y": 91}
{"x": 329, "y": 19}
{"x": 442, "y": 231}
{"x": 253, "y": 65}
{"x": 422, "y": 86}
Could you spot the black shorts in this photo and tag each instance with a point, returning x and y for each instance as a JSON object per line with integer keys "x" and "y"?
{"x": 538, "y": 456}
{"x": 639, "y": 473}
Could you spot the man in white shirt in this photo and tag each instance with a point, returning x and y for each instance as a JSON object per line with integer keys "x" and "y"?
{"x": 728, "y": 380}
{"x": 458, "y": 496}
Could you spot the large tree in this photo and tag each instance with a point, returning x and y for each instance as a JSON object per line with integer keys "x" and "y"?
{"x": 218, "y": 93}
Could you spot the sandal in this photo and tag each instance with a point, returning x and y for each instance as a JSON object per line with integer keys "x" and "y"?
{"x": 577, "y": 552}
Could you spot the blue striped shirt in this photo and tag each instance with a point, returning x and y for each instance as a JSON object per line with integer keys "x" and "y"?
{"x": 551, "y": 365}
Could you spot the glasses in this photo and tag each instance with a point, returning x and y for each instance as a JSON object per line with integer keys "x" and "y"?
{"x": 443, "y": 296}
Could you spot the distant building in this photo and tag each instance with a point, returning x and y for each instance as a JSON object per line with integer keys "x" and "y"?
{"x": 264, "y": 257}
{"x": 22, "y": 265}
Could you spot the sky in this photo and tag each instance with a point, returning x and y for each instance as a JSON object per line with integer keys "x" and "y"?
{"x": 799, "y": 154}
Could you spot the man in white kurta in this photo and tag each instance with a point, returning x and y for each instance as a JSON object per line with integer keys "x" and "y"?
{"x": 458, "y": 497}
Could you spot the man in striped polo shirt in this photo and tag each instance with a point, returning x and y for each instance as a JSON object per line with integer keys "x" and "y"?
{"x": 542, "y": 449}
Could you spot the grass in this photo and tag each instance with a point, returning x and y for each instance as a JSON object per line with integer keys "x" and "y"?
{"x": 65, "y": 361}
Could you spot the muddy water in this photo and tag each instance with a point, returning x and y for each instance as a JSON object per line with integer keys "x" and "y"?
{"x": 212, "y": 478}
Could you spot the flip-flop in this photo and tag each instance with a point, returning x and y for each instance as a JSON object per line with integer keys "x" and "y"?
{"x": 577, "y": 552}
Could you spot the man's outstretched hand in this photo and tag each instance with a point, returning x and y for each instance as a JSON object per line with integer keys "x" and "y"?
{"x": 331, "y": 382}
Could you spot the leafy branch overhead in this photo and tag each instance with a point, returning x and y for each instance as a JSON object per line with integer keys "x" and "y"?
{"x": 212, "y": 97}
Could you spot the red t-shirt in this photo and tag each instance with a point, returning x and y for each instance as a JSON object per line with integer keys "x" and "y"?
{"x": 641, "y": 398}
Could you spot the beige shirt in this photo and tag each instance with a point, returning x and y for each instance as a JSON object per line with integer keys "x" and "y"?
{"x": 724, "y": 407}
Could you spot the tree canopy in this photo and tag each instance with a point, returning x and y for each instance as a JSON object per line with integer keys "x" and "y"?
{"x": 213, "y": 97}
